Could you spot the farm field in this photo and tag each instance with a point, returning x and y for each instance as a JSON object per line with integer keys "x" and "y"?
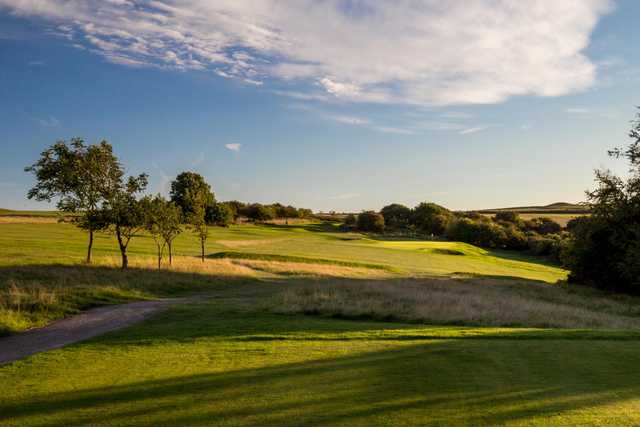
{"x": 252, "y": 350}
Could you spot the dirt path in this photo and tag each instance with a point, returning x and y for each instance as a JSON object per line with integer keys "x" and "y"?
{"x": 77, "y": 328}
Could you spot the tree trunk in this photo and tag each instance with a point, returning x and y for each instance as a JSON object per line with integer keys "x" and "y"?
{"x": 159, "y": 258}
{"x": 90, "y": 246}
{"x": 202, "y": 248}
{"x": 123, "y": 250}
{"x": 170, "y": 254}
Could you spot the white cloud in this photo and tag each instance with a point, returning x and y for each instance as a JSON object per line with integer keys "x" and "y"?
{"x": 403, "y": 51}
{"x": 473, "y": 130}
{"x": 233, "y": 147}
{"x": 37, "y": 63}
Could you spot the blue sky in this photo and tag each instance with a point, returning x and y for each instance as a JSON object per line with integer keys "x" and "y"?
{"x": 334, "y": 105}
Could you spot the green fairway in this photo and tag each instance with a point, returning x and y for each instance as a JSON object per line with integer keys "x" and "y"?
{"x": 230, "y": 359}
{"x": 217, "y": 364}
{"x": 43, "y": 243}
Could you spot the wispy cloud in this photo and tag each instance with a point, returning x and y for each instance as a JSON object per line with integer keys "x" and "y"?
{"x": 49, "y": 122}
{"x": 38, "y": 63}
{"x": 384, "y": 51}
{"x": 233, "y": 147}
{"x": 474, "y": 130}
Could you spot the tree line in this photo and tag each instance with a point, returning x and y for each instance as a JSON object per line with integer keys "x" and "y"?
{"x": 89, "y": 182}
{"x": 504, "y": 230}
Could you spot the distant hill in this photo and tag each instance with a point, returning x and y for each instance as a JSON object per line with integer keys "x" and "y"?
{"x": 557, "y": 208}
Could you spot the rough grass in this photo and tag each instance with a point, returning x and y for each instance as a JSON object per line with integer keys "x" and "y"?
{"x": 476, "y": 301}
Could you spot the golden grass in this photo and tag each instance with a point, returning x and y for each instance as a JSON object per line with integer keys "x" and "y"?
{"x": 483, "y": 302}
{"x": 306, "y": 269}
{"x": 28, "y": 220}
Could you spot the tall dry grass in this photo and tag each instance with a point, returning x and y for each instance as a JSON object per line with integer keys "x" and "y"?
{"x": 481, "y": 302}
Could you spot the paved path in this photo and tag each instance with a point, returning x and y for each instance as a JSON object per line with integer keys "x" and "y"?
{"x": 77, "y": 328}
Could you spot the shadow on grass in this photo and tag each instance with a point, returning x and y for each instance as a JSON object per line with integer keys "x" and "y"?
{"x": 437, "y": 383}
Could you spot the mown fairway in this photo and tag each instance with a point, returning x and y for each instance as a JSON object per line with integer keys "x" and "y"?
{"x": 229, "y": 360}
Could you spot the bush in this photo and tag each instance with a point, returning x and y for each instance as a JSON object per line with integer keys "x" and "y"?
{"x": 370, "y": 221}
{"x": 396, "y": 215}
{"x": 431, "y": 218}
{"x": 543, "y": 226}
{"x": 220, "y": 214}
{"x": 507, "y": 216}
{"x": 258, "y": 213}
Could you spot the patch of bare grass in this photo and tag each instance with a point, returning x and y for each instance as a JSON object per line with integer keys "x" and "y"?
{"x": 478, "y": 302}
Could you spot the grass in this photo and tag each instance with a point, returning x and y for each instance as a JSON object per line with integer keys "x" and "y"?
{"x": 461, "y": 301}
{"x": 222, "y": 363}
{"x": 40, "y": 279}
{"x": 245, "y": 355}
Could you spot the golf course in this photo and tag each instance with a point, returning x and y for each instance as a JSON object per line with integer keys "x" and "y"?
{"x": 244, "y": 344}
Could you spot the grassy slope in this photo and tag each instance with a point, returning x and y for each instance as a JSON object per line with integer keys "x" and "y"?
{"x": 215, "y": 364}
{"x": 62, "y": 243}
{"x": 228, "y": 362}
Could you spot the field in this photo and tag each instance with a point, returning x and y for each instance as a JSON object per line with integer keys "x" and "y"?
{"x": 306, "y": 325}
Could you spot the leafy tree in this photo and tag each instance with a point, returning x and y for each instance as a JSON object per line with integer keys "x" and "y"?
{"x": 220, "y": 214}
{"x": 81, "y": 177}
{"x": 371, "y": 221}
{"x": 124, "y": 214}
{"x": 431, "y": 218}
{"x": 260, "y": 213}
{"x": 188, "y": 187}
{"x": 396, "y": 215}
{"x": 162, "y": 221}
{"x": 351, "y": 220}
{"x": 604, "y": 249}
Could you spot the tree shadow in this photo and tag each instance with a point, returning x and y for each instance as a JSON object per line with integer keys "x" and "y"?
{"x": 443, "y": 382}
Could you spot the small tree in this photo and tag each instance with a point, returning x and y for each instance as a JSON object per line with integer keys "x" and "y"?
{"x": 81, "y": 177}
{"x": 199, "y": 224}
{"x": 124, "y": 214}
{"x": 162, "y": 221}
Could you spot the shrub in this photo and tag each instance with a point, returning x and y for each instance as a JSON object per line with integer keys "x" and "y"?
{"x": 396, "y": 215}
{"x": 431, "y": 218}
{"x": 370, "y": 221}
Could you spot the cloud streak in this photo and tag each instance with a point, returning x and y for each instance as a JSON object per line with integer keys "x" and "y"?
{"x": 233, "y": 147}
{"x": 427, "y": 53}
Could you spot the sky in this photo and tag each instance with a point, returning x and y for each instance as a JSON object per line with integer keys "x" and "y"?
{"x": 341, "y": 105}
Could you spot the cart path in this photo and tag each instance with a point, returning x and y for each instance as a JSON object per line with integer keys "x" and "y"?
{"x": 88, "y": 324}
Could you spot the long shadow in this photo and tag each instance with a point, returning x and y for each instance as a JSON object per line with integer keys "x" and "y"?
{"x": 437, "y": 383}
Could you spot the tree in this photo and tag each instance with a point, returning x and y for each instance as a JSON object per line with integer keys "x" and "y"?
{"x": 396, "y": 215}
{"x": 431, "y": 218}
{"x": 371, "y": 221}
{"x": 124, "y": 214}
{"x": 260, "y": 213}
{"x": 81, "y": 177}
{"x": 197, "y": 220}
{"x": 162, "y": 221}
{"x": 220, "y": 214}
{"x": 187, "y": 187}
{"x": 604, "y": 249}
{"x": 351, "y": 221}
